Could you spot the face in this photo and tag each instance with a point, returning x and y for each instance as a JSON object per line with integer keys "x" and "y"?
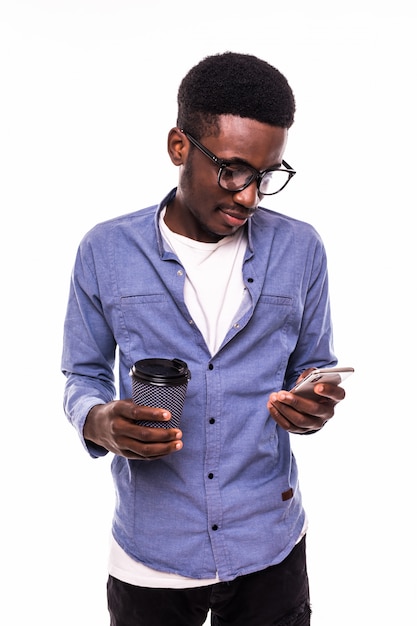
{"x": 204, "y": 211}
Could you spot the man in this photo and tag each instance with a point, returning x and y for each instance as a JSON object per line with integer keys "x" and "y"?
{"x": 209, "y": 516}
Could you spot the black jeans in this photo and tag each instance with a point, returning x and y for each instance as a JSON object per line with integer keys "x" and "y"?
{"x": 276, "y": 596}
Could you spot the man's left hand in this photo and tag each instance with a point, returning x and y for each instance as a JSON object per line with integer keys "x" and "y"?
{"x": 301, "y": 415}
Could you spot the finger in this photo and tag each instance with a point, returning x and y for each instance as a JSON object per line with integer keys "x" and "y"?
{"x": 137, "y": 412}
{"x": 322, "y": 408}
{"x": 151, "y": 434}
{"x": 299, "y": 422}
{"x": 156, "y": 450}
{"x": 138, "y": 450}
{"x": 290, "y": 426}
{"x": 149, "y": 414}
{"x": 146, "y": 434}
{"x": 333, "y": 392}
{"x": 294, "y": 419}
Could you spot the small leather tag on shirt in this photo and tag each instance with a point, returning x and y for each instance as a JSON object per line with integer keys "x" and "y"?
{"x": 287, "y": 495}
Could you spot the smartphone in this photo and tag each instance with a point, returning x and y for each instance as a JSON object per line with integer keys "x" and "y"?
{"x": 334, "y": 375}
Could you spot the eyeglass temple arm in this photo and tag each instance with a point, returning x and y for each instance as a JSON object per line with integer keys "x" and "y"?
{"x": 200, "y": 146}
{"x": 288, "y": 166}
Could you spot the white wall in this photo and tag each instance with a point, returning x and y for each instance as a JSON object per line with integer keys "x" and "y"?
{"x": 88, "y": 95}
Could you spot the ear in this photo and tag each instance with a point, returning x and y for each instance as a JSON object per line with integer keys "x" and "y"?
{"x": 178, "y": 146}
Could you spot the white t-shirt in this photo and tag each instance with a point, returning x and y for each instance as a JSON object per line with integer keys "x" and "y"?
{"x": 214, "y": 285}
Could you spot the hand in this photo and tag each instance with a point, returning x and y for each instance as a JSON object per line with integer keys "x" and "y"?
{"x": 301, "y": 415}
{"x": 113, "y": 426}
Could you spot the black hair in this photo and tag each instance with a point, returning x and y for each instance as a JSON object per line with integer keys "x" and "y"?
{"x": 235, "y": 84}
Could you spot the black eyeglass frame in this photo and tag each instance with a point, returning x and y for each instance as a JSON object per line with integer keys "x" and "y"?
{"x": 257, "y": 175}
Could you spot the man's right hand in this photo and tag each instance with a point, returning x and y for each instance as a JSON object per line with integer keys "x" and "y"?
{"x": 113, "y": 426}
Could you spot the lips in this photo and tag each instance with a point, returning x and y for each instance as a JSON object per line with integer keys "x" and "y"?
{"x": 237, "y": 217}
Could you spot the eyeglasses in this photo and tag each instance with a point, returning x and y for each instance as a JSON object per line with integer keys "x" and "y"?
{"x": 235, "y": 176}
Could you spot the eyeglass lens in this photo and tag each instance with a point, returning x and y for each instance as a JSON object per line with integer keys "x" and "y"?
{"x": 237, "y": 177}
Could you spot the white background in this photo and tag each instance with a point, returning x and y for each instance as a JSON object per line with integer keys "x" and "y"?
{"x": 88, "y": 94}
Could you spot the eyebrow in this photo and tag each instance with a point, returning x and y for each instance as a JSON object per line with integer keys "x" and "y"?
{"x": 241, "y": 161}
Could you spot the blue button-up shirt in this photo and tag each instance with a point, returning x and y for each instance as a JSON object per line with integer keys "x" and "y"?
{"x": 229, "y": 501}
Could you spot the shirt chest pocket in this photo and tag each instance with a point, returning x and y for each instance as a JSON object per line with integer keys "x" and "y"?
{"x": 141, "y": 311}
{"x": 272, "y": 316}
{"x": 151, "y": 323}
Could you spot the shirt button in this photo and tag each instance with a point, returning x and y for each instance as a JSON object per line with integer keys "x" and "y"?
{"x": 180, "y": 273}
{"x": 214, "y": 527}
{"x": 211, "y": 366}
{"x": 211, "y": 475}
{"x": 211, "y": 420}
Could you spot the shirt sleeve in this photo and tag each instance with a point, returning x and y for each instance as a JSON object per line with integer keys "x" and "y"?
{"x": 89, "y": 346}
{"x": 314, "y": 347}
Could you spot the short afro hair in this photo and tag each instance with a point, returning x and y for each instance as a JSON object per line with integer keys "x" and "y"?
{"x": 233, "y": 84}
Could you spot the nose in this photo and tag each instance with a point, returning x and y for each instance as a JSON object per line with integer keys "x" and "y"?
{"x": 248, "y": 197}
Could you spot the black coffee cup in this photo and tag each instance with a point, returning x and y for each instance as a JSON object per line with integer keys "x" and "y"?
{"x": 160, "y": 383}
